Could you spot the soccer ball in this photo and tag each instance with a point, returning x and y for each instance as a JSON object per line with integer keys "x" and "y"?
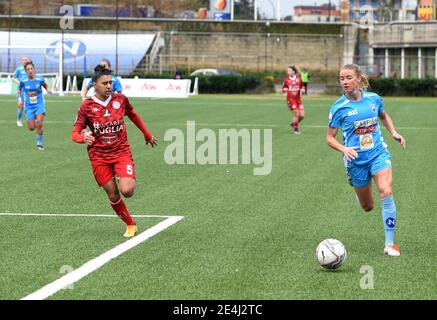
{"x": 331, "y": 253}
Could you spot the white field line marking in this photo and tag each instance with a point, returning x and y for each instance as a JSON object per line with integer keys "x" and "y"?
{"x": 101, "y": 260}
{"x": 78, "y": 215}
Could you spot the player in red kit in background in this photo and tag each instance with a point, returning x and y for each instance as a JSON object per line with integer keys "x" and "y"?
{"x": 294, "y": 87}
{"x": 108, "y": 147}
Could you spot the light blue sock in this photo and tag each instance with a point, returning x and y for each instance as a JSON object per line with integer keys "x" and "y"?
{"x": 39, "y": 139}
{"x": 19, "y": 114}
{"x": 389, "y": 218}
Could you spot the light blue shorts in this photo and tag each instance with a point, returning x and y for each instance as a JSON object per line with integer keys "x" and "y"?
{"x": 33, "y": 111}
{"x": 360, "y": 175}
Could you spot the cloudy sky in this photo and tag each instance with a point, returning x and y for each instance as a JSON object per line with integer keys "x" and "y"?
{"x": 286, "y": 6}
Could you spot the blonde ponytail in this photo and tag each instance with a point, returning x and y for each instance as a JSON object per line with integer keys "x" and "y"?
{"x": 364, "y": 82}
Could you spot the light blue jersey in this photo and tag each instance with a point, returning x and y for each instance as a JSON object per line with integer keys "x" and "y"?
{"x": 33, "y": 97}
{"x": 33, "y": 91}
{"x": 20, "y": 73}
{"x": 116, "y": 85}
{"x": 358, "y": 121}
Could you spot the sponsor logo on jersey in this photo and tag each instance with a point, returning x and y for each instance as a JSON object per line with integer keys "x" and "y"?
{"x": 353, "y": 112}
{"x": 116, "y": 105}
{"x": 109, "y": 127}
{"x": 366, "y": 122}
{"x": 365, "y": 130}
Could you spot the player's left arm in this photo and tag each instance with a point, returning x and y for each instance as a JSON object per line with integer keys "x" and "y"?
{"x": 139, "y": 123}
{"x": 388, "y": 123}
{"x": 45, "y": 86}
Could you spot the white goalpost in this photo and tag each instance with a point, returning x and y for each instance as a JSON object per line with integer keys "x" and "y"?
{"x": 56, "y": 77}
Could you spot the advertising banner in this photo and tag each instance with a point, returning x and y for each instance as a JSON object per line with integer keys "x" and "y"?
{"x": 151, "y": 88}
{"x": 81, "y": 50}
{"x": 220, "y": 9}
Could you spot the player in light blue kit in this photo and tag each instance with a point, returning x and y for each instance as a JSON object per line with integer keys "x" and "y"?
{"x": 17, "y": 76}
{"x": 116, "y": 84}
{"x": 364, "y": 151}
{"x": 33, "y": 102}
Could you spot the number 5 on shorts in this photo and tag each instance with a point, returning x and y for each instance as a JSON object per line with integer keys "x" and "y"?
{"x": 129, "y": 169}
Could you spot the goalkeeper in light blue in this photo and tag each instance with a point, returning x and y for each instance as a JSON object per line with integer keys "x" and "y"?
{"x": 18, "y": 75}
{"x": 364, "y": 151}
{"x": 33, "y": 101}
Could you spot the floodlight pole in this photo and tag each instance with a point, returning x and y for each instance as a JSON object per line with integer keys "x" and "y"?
{"x": 9, "y": 35}
{"x": 255, "y": 13}
{"x": 116, "y": 38}
{"x": 232, "y": 10}
{"x": 278, "y": 9}
{"x": 61, "y": 62}
{"x": 61, "y": 67}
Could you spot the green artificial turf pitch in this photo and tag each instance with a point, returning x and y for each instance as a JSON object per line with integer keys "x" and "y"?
{"x": 243, "y": 236}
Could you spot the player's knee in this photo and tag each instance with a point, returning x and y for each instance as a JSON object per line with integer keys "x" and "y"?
{"x": 128, "y": 192}
{"x": 385, "y": 192}
{"x": 114, "y": 197}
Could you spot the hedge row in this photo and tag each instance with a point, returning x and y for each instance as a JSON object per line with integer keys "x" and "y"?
{"x": 262, "y": 83}
{"x": 227, "y": 84}
{"x": 214, "y": 84}
{"x": 404, "y": 87}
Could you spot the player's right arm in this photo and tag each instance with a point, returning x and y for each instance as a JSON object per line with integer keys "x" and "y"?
{"x": 79, "y": 134}
{"x": 335, "y": 121}
{"x": 348, "y": 152}
{"x": 20, "y": 101}
{"x": 284, "y": 86}
{"x": 86, "y": 89}
{"x": 15, "y": 80}
{"x": 14, "y": 77}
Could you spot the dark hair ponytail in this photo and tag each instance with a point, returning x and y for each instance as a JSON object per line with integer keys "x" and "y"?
{"x": 100, "y": 71}
{"x": 296, "y": 71}
{"x": 29, "y": 63}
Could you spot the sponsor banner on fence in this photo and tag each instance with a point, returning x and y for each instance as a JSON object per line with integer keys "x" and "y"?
{"x": 81, "y": 50}
{"x": 151, "y": 88}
